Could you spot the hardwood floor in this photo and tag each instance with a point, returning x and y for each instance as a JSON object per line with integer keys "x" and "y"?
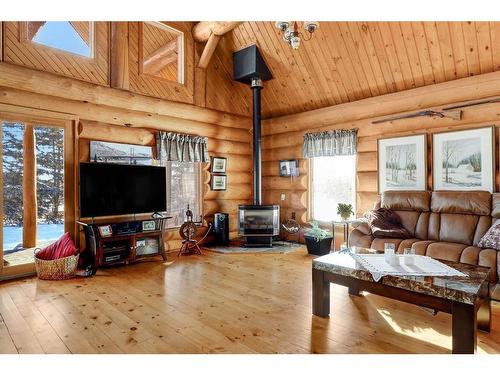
{"x": 216, "y": 303}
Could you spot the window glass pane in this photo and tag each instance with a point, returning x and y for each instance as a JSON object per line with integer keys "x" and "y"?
{"x": 162, "y": 51}
{"x": 12, "y": 169}
{"x": 74, "y": 37}
{"x": 183, "y": 184}
{"x": 333, "y": 183}
{"x": 50, "y": 183}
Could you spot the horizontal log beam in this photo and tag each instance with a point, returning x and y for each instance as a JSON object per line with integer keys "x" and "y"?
{"x": 202, "y": 30}
{"x": 459, "y": 90}
{"x": 116, "y": 116}
{"x": 53, "y": 85}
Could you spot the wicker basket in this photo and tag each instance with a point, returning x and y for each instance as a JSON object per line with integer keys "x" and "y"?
{"x": 58, "y": 269}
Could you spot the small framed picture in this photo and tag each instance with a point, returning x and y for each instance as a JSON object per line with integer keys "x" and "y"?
{"x": 218, "y": 164}
{"x": 148, "y": 225}
{"x": 105, "y": 230}
{"x": 289, "y": 168}
{"x": 218, "y": 182}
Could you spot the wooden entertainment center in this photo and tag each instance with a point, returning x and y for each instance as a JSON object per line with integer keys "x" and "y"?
{"x": 123, "y": 242}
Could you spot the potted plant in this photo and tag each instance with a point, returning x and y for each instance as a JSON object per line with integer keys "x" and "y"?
{"x": 318, "y": 241}
{"x": 345, "y": 210}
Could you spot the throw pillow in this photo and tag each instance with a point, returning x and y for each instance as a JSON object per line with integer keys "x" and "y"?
{"x": 62, "y": 248}
{"x": 387, "y": 223}
{"x": 491, "y": 238}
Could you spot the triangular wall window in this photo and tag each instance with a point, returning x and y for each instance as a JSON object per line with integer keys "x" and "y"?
{"x": 73, "y": 37}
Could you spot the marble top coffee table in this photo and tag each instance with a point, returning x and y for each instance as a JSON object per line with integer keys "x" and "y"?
{"x": 465, "y": 298}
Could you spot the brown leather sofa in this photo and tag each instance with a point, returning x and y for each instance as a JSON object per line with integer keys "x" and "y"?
{"x": 444, "y": 225}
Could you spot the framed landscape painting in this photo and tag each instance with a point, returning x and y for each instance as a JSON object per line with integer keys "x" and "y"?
{"x": 402, "y": 163}
{"x": 464, "y": 160}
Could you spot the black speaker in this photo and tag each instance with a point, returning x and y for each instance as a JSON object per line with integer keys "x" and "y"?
{"x": 221, "y": 228}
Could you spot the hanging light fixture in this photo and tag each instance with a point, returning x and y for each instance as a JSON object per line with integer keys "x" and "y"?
{"x": 291, "y": 33}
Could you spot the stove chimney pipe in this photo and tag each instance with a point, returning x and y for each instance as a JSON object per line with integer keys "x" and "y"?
{"x": 257, "y": 142}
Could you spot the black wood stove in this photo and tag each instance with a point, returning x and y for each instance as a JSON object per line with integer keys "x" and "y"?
{"x": 258, "y": 222}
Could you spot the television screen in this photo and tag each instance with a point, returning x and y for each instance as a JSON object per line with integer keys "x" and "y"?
{"x": 118, "y": 189}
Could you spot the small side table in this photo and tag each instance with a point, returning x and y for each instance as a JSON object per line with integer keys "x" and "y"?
{"x": 346, "y": 228}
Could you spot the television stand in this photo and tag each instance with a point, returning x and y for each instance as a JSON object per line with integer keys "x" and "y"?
{"x": 114, "y": 243}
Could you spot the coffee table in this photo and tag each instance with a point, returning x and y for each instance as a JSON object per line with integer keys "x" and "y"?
{"x": 465, "y": 298}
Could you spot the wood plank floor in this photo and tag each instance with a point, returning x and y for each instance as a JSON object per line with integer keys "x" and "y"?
{"x": 216, "y": 303}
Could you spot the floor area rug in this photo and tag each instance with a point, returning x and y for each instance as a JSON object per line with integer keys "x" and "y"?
{"x": 281, "y": 247}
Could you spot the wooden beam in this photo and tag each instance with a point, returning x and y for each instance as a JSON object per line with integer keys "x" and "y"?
{"x": 118, "y": 116}
{"x": 1, "y": 41}
{"x": 464, "y": 89}
{"x": 204, "y": 29}
{"x": 109, "y": 133}
{"x": 200, "y": 79}
{"x": 30, "y": 212}
{"x": 33, "y": 27}
{"x": 21, "y": 78}
{"x": 208, "y": 51}
{"x": 119, "y": 56}
{"x": 1, "y": 195}
{"x": 160, "y": 58}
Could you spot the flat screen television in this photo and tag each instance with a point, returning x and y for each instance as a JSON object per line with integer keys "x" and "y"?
{"x": 120, "y": 189}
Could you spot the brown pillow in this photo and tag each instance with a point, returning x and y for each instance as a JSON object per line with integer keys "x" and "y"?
{"x": 491, "y": 238}
{"x": 386, "y": 223}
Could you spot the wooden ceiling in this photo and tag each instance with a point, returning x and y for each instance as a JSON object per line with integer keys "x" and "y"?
{"x": 348, "y": 61}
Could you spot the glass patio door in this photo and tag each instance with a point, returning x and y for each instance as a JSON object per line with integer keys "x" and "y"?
{"x": 32, "y": 188}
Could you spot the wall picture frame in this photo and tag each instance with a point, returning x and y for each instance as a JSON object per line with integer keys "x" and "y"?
{"x": 464, "y": 159}
{"x": 218, "y": 164}
{"x": 218, "y": 182}
{"x": 289, "y": 168}
{"x": 402, "y": 163}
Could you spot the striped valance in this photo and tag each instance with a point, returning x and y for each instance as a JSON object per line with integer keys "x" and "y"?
{"x": 330, "y": 143}
{"x": 182, "y": 147}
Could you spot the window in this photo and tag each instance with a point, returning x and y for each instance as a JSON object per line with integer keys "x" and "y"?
{"x": 33, "y": 214}
{"x": 183, "y": 187}
{"x": 70, "y": 36}
{"x": 332, "y": 182}
{"x": 162, "y": 51}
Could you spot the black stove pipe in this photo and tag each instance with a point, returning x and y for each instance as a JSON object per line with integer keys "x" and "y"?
{"x": 257, "y": 146}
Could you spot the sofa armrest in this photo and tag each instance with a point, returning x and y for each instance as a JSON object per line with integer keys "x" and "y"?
{"x": 362, "y": 226}
{"x": 360, "y": 239}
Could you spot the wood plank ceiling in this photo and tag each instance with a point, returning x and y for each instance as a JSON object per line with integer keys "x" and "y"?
{"x": 348, "y": 61}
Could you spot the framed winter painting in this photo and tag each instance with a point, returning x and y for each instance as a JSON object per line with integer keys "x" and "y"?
{"x": 464, "y": 160}
{"x": 402, "y": 163}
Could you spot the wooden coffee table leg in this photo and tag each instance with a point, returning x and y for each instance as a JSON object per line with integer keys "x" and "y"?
{"x": 484, "y": 315}
{"x": 320, "y": 294}
{"x": 463, "y": 328}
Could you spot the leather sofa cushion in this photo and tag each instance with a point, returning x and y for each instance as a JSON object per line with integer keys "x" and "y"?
{"x": 409, "y": 220}
{"x": 408, "y": 243}
{"x": 470, "y": 255}
{"x": 446, "y": 250}
{"x": 488, "y": 258}
{"x": 466, "y": 202}
{"x": 458, "y": 228}
{"x": 495, "y": 205}
{"x": 482, "y": 228}
{"x": 406, "y": 200}
{"x": 420, "y": 247}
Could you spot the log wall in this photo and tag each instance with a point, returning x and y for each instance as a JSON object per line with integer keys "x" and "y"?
{"x": 283, "y": 136}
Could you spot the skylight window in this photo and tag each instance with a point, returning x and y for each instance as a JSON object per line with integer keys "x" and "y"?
{"x": 73, "y": 37}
